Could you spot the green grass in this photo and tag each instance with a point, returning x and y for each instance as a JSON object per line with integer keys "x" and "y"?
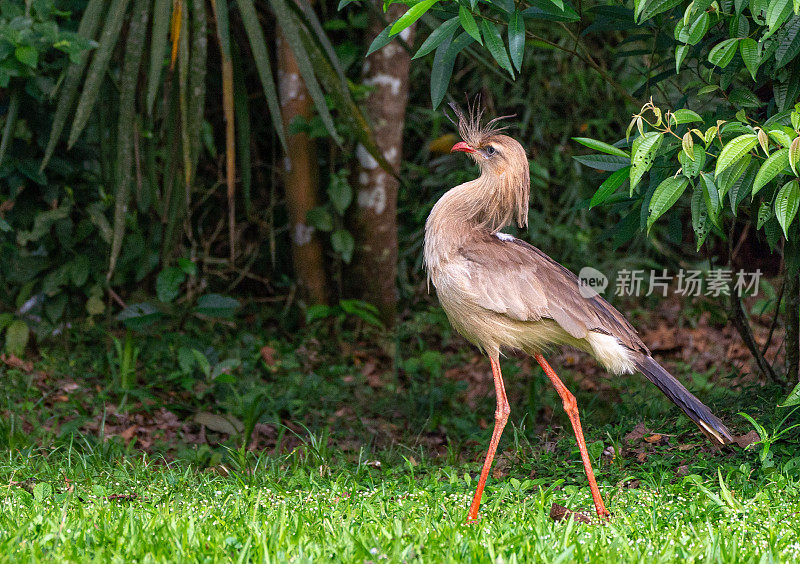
{"x": 314, "y": 505}
{"x": 361, "y": 472}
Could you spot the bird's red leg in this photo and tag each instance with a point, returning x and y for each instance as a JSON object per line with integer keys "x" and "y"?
{"x": 500, "y": 418}
{"x": 571, "y": 407}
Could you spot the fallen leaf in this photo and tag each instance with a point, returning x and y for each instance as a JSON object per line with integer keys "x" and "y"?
{"x": 227, "y": 424}
{"x": 268, "y": 355}
{"x": 686, "y": 447}
{"x": 122, "y": 497}
{"x": 653, "y": 439}
{"x": 637, "y": 434}
{"x": 745, "y": 441}
{"x": 641, "y": 457}
{"x": 559, "y": 513}
{"x": 15, "y": 362}
{"x": 128, "y": 433}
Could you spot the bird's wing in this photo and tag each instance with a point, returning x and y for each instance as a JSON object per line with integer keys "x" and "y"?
{"x": 513, "y": 278}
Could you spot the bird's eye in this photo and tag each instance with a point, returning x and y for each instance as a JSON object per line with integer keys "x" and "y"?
{"x": 490, "y": 150}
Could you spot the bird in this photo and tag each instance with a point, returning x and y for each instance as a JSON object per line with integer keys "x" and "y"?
{"x": 502, "y": 293}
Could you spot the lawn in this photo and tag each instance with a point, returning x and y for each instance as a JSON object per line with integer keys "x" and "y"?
{"x": 343, "y": 459}
{"x": 85, "y": 502}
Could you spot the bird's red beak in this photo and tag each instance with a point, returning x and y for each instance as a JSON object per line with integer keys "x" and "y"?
{"x": 463, "y": 147}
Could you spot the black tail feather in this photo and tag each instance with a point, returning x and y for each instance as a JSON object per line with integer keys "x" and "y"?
{"x": 709, "y": 423}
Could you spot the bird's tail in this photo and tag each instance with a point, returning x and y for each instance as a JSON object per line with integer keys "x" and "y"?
{"x": 696, "y": 410}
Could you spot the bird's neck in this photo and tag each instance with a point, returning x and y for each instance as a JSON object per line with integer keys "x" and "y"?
{"x": 488, "y": 203}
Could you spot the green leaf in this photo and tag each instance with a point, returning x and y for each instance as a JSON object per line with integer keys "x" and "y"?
{"x": 496, "y": 46}
{"x": 162, "y": 13}
{"x": 443, "y": 62}
{"x": 692, "y": 166}
{"x": 692, "y": 34}
{"x": 17, "y": 335}
{"x": 685, "y": 116}
{"x": 777, "y": 13}
{"x": 734, "y": 150}
{"x": 664, "y": 197}
{"x": 786, "y": 204}
{"x": 126, "y": 124}
{"x": 11, "y": 122}
{"x": 469, "y": 24}
{"x": 381, "y": 40}
{"x": 750, "y": 55}
{"x": 546, "y": 10}
{"x": 609, "y": 186}
{"x": 700, "y": 223}
{"x": 738, "y": 185}
{"x": 780, "y": 136}
{"x": 765, "y": 213}
{"x": 604, "y": 162}
{"x": 79, "y": 270}
{"x": 340, "y": 193}
{"x": 413, "y": 14}
{"x": 187, "y": 266}
{"x": 139, "y": 316}
{"x": 97, "y": 70}
{"x": 650, "y": 8}
{"x": 601, "y": 146}
{"x": 292, "y": 35}
{"x": 168, "y": 283}
{"x": 201, "y": 362}
{"x": 258, "y": 47}
{"x": 216, "y": 305}
{"x": 516, "y": 39}
{"x": 644, "y": 152}
{"x": 711, "y": 197}
{"x": 437, "y": 36}
{"x": 771, "y": 168}
{"x": 794, "y": 154}
{"x": 680, "y": 55}
{"x": 723, "y": 53}
{"x": 27, "y": 55}
{"x": 319, "y": 218}
{"x": 42, "y": 492}
{"x": 95, "y": 305}
{"x": 789, "y": 43}
{"x": 793, "y": 398}
{"x": 344, "y": 244}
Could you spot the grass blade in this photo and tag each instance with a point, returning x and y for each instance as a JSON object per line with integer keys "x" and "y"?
{"x": 127, "y": 124}
{"x": 97, "y": 70}
{"x": 258, "y": 47}
{"x": 87, "y": 27}
{"x": 162, "y": 14}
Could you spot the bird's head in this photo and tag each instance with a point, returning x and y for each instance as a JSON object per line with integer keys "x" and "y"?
{"x": 495, "y": 153}
{"x": 502, "y": 160}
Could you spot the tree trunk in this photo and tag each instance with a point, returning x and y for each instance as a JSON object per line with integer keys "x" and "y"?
{"x": 374, "y": 271}
{"x": 301, "y": 178}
